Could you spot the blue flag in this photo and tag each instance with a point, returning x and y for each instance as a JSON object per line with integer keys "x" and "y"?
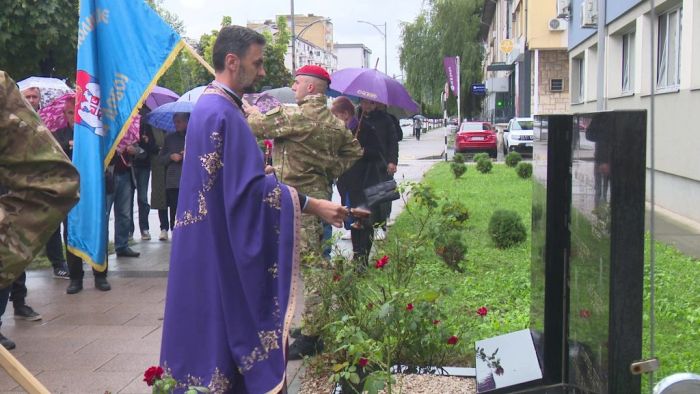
{"x": 123, "y": 48}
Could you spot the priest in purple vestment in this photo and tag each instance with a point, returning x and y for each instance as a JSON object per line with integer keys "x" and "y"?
{"x": 234, "y": 265}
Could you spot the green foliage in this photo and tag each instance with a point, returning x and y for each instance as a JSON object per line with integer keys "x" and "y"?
{"x": 451, "y": 248}
{"x": 444, "y": 28}
{"x": 507, "y": 229}
{"x": 513, "y": 158}
{"x": 479, "y": 156}
{"x": 458, "y": 158}
{"x": 524, "y": 170}
{"x": 455, "y": 211}
{"x": 484, "y": 165}
{"x": 458, "y": 169}
{"x": 39, "y": 38}
{"x": 276, "y": 72}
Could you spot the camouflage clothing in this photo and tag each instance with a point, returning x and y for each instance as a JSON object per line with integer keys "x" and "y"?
{"x": 312, "y": 148}
{"x": 42, "y": 183}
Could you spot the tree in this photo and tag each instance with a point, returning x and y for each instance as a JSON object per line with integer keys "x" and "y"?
{"x": 446, "y": 28}
{"x": 276, "y": 72}
{"x": 185, "y": 73}
{"x": 39, "y": 38}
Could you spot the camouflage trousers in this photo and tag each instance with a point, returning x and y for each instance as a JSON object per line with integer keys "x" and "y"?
{"x": 312, "y": 267}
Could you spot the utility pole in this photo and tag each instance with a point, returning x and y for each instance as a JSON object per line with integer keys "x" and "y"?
{"x": 601, "y": 104}
{"x": 383, "y": 33}
{"x": 294, "y": 43}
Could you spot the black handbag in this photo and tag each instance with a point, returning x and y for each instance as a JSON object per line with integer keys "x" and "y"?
{"x": 381, "y": 192}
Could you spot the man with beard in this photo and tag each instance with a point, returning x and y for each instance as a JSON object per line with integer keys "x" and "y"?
{"x": 234, "y": 266}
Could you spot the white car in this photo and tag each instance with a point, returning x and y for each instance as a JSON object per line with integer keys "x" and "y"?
{"x": 518, "y": 136}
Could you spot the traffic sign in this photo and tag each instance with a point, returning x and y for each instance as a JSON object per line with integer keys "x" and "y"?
{"x": 478, "y": 89}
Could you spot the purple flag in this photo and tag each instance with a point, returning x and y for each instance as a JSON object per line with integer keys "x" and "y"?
{"x": 451, "y": 70}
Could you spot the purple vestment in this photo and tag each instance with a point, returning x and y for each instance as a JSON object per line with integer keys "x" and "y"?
{"x": 234, "y": 261}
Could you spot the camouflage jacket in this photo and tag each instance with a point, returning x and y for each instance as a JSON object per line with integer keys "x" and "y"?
{"x": 312, "y": 147}
{"x": 41, "y": 183}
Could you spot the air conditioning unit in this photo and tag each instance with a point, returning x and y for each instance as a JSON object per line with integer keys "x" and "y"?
{"x": 563, "y": 8}
{"x": 589, "y": 13}
{"x": 558, "y": 24}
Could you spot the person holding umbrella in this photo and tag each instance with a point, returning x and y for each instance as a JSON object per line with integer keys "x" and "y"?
{"x": 171, "y": 156}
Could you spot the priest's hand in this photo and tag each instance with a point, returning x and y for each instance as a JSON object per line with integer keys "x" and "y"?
{"x": 328, "y": 211}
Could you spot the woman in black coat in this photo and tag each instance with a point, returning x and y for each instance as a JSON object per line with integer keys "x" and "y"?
{"x": 377, "y": 137}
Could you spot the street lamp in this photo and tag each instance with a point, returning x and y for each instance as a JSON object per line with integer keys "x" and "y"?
{"x": 383, "y": 33}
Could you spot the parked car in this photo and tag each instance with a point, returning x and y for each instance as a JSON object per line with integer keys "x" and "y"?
{"x": 406, "y": 122}
{"x": 518, "y": 136}
{"x": 477, "y": 137}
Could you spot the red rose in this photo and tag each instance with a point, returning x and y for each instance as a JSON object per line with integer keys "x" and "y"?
{"x": 362, "y": 362}
{"x": 452, "y": 340}
{"x": 152, "y": 374}
{"x": 409, "y": 307}
{"x": 370, "y": 306}
{"x": 482, "y": 311}
{"x": 584, "y": 313}
{"x": 382, "y": 262}
{"x": 336, "y": 277}
{"x": 499, "y": 371}
{"x": 436, "y": 322}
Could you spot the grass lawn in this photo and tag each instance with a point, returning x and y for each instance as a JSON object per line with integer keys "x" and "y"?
{"x": 500, "y": 279}
{"x": 496, "y": 279}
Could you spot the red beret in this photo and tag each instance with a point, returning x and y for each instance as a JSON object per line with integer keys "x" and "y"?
{"x": 314, "y": 71}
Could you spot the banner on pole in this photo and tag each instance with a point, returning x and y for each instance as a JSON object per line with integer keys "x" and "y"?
{"x": 451, "y": 72}
{"x": 123, "y": 48}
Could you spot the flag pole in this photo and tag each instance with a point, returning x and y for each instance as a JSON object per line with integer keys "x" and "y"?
{"x": 198, "y": 57}
{"x": 459, "y": 96}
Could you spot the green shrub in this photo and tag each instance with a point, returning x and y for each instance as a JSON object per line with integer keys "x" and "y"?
{"x": 480, "y": 156}
{"x": 484, "y": 165}
{"x": 513, "y": 158}
{"x": 458, "y": 169}
{"x": 506, "y": 229}
{"x": 458, "y": 158}
{"x": 451, "y": 248}
{"x": 455, "y": 210}
{"x": 524, "y": 170}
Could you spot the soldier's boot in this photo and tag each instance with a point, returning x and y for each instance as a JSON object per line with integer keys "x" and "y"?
{"x": 75, "y": 286}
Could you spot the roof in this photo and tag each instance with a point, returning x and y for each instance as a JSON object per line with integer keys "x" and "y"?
{"x": 336, "y": 45}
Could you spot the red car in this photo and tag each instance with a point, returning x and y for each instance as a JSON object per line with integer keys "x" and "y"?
{"x": 477, "y": 137}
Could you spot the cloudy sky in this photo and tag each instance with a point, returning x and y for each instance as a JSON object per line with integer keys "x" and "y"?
{"x": 202, "y": 16}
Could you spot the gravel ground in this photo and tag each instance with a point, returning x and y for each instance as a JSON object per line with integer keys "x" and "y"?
{"x": 409, "y": 384}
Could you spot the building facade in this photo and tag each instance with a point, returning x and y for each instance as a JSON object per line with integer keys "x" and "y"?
{"x": 628, "y": 82}
{"x": 352, "y": 55}
{"x": 526, "y": 61}
{"x": 313, "y": 43}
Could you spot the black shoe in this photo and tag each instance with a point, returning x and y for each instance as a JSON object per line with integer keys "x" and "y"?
{"x": 75, "y": 286}
{"x": 102, "y": 284}
{"x": 7, "y": 343}
{"x": 295, "y": 333}
{"x": 128, "y": 252}
{"x": 305, "y": 346}
{"x": 26, "y": 312}
{"x": 61, "y": 272}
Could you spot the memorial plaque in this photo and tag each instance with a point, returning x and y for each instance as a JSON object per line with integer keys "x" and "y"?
{"x": 550, "y": 240}
{"x": 607, "y": 250}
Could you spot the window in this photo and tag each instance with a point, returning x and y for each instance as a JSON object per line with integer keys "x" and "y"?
{"x": 556, "y": 85}
{"x": 669, "y": 49}
{"x": 627, "y": 62}
{"x": 578, "y": 79}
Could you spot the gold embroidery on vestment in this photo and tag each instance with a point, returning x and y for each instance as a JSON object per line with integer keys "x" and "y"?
{"x": 274, "y": 197}
{"x": 212, "y": 164}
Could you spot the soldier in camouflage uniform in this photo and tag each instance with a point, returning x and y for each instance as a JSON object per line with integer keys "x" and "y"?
{"x": 42, "y": 186}
{"x": 312, "y": 148}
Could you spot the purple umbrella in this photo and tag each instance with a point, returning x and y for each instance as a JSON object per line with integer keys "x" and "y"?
{"x": 372, "y": 85}
{"x": 160, "y": 96}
